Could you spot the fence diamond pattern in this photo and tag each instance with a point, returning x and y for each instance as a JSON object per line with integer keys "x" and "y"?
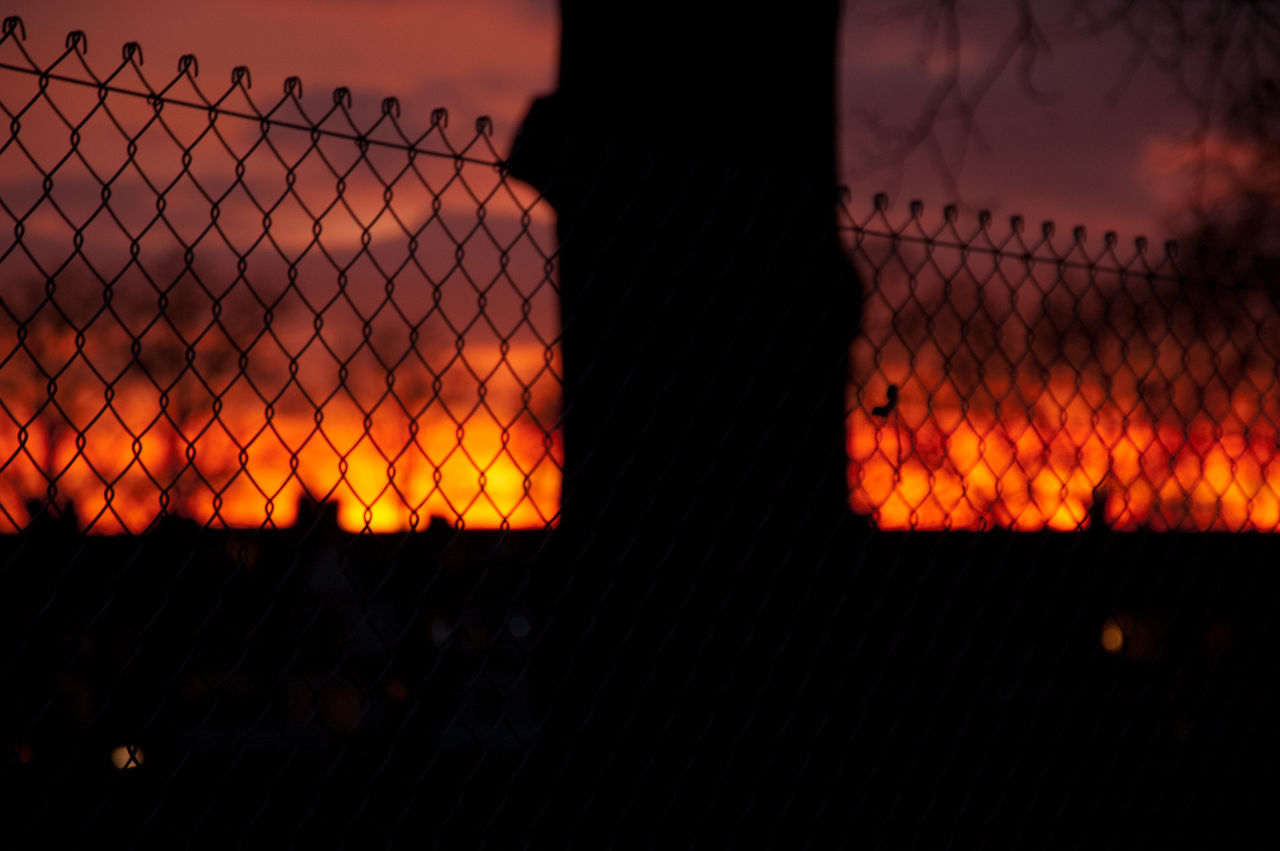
{"x": 213, "y": 310}
{"x": 242, "y": 332}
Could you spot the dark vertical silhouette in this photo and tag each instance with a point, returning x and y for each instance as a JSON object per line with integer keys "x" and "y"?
{"x": 707, "y": 313}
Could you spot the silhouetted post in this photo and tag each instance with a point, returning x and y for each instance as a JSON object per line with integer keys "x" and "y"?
{"x": 707, "y": 312}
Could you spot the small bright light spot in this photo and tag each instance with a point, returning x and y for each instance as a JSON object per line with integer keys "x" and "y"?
{"x": 1112, "y": 637}
{"x": 127, "y": 756}
{"x": 396, "y": 691}
{"x": 440, "y": 632}
{"x": 519, "y": 626}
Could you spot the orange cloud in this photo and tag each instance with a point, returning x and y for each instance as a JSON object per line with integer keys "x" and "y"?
{"x": 1166, "y": 163}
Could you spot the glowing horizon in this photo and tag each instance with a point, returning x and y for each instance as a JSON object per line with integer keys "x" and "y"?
{"x": 215, "y": 317}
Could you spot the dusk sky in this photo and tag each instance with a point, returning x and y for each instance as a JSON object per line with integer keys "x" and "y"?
{"x": 1078, "y": 137}
{"x": 356, "y": 494}
{"x": 1094, "y": 151}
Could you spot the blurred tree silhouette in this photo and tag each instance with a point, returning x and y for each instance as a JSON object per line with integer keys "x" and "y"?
{"x": 1221, "y": 56}
{"x": 708, "y": 310}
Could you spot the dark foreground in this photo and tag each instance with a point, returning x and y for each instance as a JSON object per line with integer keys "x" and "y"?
{"x": 308, "y": 687}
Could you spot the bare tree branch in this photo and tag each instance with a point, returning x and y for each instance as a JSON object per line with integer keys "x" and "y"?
{"x": 1222, "y": 57}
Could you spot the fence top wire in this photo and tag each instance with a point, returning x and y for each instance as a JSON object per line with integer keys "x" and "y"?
{"x": 386, "y": 131}
{"x": 1035, "y": 249}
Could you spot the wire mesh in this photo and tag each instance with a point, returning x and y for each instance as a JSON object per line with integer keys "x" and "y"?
{"x": 1036, "y": 382}
{"x": 280, "y": 451}
{"x": 214, "y": 310}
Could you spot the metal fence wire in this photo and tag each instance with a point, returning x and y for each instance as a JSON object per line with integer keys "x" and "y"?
{"x": 280, "y": 418}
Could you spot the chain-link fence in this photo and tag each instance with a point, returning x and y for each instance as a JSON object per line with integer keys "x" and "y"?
{"x": 280, "y": 400}
{"x": 1040, "y": 381}
{"x": 217, "y": 310}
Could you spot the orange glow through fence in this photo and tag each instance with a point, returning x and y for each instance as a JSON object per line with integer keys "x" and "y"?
{"x": 494, "y": 467}
{"x": 1047, "y": 385}
{"x": 215, "y": 309}
{"x": 1059, "y": 462}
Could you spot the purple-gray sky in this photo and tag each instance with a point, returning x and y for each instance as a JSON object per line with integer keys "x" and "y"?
{"x": 1094, "y": 152}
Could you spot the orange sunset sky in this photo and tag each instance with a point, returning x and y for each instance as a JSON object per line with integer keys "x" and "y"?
{"x": 1100, "y": 146}
{"x": 1094, "y": 151}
